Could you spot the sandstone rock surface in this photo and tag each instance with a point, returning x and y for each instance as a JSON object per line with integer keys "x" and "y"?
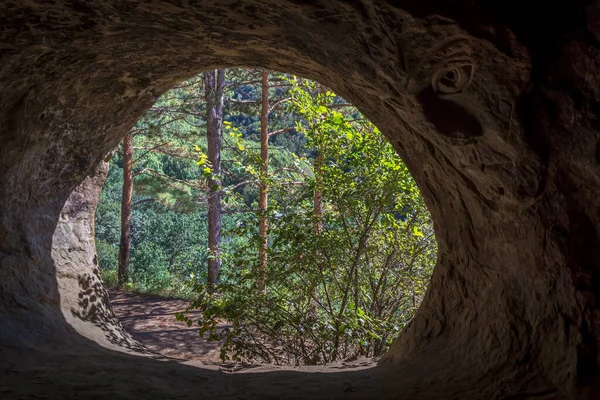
{"x": 495, "y": 108}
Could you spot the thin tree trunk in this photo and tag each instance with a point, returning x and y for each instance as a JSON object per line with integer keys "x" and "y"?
{"x": 318, "y": 195}
{"x": 263, "y": 223}
{"x": 174, "y": 256}
{"x": 214, "y": 84}
{"x": 125, "y": 244}
{"x": 317, "y": 221}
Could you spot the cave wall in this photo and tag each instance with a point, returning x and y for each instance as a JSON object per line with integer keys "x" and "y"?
{"x": 497, "y": 121}
{"x": 84, "y": 300}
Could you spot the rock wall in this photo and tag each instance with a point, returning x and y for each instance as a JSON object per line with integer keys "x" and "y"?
{"x": 493, "y": 106}
{"x": 84, "y": 300}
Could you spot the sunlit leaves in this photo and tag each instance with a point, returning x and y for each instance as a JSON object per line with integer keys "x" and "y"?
{"x": 417, "y": 232}
{"x": 348, "y": 290}
{"x": 351, "y": 288}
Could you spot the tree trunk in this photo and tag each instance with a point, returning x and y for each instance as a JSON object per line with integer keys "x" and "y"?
{"x": 317, "y": 226}
{"x": 263, "y": 222}
{"x": 317, "y": 220}
{"x": 214, "y": 84}
{"x": 125, "y": 244}
{"x": 318, "y": 195}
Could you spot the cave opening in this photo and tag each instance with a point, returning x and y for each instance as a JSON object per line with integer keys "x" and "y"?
{"x": 338, "y": 196}
{"x": 496, "y": 118}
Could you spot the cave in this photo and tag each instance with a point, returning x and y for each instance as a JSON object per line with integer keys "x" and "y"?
{"x": 494, "y": 107}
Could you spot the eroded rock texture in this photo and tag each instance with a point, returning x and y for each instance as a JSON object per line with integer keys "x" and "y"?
{"x": 77, "y": 273}
{"x": 494, "y": 108}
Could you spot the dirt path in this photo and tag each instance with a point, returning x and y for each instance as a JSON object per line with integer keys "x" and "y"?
{"x": 151, "y": 321}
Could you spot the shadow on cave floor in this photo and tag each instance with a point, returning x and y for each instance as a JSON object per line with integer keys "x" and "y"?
{"x": 88, "y": 371}
{"x": 103, "y": 374}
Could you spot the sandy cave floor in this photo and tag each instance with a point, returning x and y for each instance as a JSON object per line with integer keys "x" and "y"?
{"x": 190, "y": 367}
{"x": 186, "y": 366}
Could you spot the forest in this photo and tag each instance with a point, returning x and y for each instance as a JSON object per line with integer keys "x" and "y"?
{"x": 267, "y": 201}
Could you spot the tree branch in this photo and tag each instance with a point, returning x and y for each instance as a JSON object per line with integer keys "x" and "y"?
{"x": 279, "y": 131}
{"x": 277, "y": 104}
{"x": 142, "y": 201}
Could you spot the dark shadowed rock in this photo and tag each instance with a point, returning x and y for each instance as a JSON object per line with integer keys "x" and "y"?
{"x": 494, "y": 107}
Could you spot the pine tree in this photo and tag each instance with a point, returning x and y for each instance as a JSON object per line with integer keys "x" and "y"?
{"x": 264, "y": 181}
{"x": 214, "y": 87}
{"x": 125, "y": 243}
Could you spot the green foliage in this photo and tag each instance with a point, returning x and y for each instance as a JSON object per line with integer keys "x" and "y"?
{"x": 351, "y": 288}
{"x": 109, "y": 277}
{"x": 169, "y": 224}
{"x": 108, "y": 255}
{"x": 344, "y": 291}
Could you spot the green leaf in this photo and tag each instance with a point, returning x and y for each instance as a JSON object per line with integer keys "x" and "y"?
{"x": 417, "y": 232}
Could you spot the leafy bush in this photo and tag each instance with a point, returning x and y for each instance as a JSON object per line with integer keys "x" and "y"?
{"x": 340, "y": 284}
{"x": 109, "y": 277}
{"x": 150, "y": 267}
{"x": 108, "y": 256}
{"x": 339, "y": 287}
